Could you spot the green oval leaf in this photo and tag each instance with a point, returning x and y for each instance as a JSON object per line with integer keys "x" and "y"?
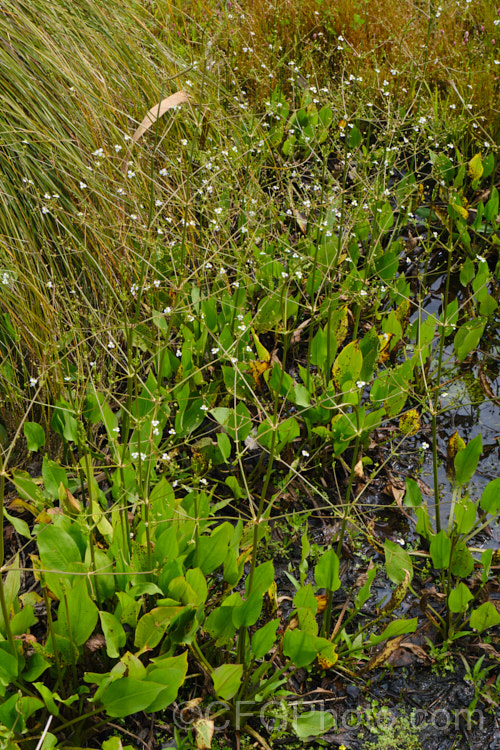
{"x": 34, "y": 434}
{"x": 326, "y": 571}
{"x": 227, "y": 680}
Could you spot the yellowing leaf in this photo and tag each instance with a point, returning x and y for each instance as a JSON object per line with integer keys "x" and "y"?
{"x": 272, "y": 593}
{"x": 341, "y": 325}
{"x": 398, "y": 595}
{"x": 258, "y": 368}
{"x": 385, "y": 340}
{"x": 402, "y": 312}
{"x": 442, "y": 215}
{"x": 476, "y": 168}
{"x": 262, "y": 352}
{"x": 409, "y": 424}
{"x": 460, "y": 210}
{"x": 455, "y": 444}
{"x": 322, "y": 600}
{"x": 328, "y": 657}
{"x": 347, "y": 365}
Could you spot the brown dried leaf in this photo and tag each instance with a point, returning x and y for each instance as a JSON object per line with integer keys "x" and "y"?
{"x": 204, "y": 730}
{"x": 154, "y": 114}
{"x": 298, "y": 331}
{"x": 71, "y": 503}
{"x": 424, "y": 487}
{"x": 397, "y": 493}
{"x": 96, "y": 642}
{"x": 359, "y": 470}
{"x": 417, "y": 650}
{"x": 294, "y": 623}
{"x": 382, "y": 655}
{"x": 363, "y": 577}
{"x": 489, "y": 650}
{"x": 301, "y": 220}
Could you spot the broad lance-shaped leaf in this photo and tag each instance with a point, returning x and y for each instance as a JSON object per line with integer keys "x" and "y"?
{"x": 300, "y": 647}
{"x": 467, "y": 459}
{"x": 77, "y": 614}
{"x": 476, "y": 168}
{"x": 485, "y": 616}
{"x": 113, "y": 633}
{"x": 59, "y": 554}
{"x": 397, "y": 562}
{"x": 440, "y": 550}
{"x": 326, "y": 571}
{"x": 264, "y": 638}
{"x": 459, "y": 598}
{"x": 347, "y": 366}
{"x": 227, "y": 680}
{"x": 490, "y": 499}
{"x": 312, "y": 724}
{"x": 34, "y": 434}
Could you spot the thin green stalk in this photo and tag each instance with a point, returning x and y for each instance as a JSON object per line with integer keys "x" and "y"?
{"x": 50, "y": 630}
{"x": 434, "y": 410}
{"x": 313, "y": 317}
{"x": 3, "y": 603}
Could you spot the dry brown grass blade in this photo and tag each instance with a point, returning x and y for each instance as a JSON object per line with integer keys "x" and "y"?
{"x": 154, "y": 114}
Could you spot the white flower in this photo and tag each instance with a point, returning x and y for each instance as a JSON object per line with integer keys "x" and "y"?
{"x": 33, "y": 382}
{"x": 360, "y": 384}
{"x": 166, "y": 457}
{"x": 163, "y": 172}
{"x": 204, "y": 407}
{"x": 45, "y": 209}
{"x": 424, "y": 445}
{"x": 98, "y": 152}
{"x": 130, "y": 174}
{"x": 83, "y": 185}
{"x": 118, "y": 148}
{"x": 305, "y": 454}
